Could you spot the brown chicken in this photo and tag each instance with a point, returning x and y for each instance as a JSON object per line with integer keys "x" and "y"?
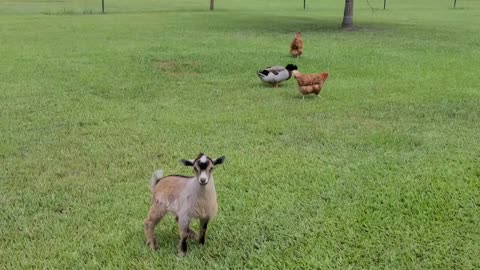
{"x": 296, "y": 47}
{"x": 310, "y": 83}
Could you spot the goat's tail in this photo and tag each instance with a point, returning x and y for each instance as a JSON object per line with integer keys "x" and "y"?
{"x": 157, "y": 175}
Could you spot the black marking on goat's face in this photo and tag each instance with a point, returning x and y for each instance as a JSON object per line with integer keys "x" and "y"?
{"x": 203, "y": 165}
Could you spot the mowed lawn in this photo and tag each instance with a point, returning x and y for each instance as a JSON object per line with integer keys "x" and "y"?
{"x": 382, "y": 171}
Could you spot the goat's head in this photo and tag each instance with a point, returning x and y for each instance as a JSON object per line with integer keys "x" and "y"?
{"x": 203, "y": 167}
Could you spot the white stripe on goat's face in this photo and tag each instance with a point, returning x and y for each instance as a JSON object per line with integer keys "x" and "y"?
{"x": 203, "y": 167}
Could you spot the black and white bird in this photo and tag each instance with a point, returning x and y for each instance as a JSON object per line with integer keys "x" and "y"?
{"x": 277, "y": 74}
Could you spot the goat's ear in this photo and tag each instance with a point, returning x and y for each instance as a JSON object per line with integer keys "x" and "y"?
{"x": 219, "y": 160}
{"x": 187, "y": 162}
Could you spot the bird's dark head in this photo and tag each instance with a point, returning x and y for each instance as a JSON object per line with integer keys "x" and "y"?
{"x": 291, "y": 67}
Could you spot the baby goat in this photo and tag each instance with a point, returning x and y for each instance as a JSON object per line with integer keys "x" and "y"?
{"x": 185, "y": 197}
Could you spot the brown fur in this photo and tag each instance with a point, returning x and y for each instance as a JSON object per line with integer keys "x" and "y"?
{"x": 186, "y": 199}
{"x": 310, "y": 83}
{"x": 296, "y": 47}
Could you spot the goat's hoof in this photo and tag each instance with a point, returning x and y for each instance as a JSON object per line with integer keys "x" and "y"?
{"x": 182, "y": 254}
{"x": 192, "y": 236}
{"x": 153, "y": 245}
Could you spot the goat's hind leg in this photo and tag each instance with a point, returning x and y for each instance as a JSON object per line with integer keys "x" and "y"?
{"x": 155, "y": 214}
{"x": 192, "y": 235}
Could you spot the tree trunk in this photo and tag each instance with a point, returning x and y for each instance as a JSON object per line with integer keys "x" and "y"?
{"x": 212, "y": 4}
{"x": 347, "y": 23}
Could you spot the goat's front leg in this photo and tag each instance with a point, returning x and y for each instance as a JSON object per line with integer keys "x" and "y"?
{"x": 183, "y": 226}
{"x": 203, "y": 230}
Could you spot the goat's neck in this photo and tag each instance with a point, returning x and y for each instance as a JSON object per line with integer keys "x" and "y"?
{"x": 200, "y": 191}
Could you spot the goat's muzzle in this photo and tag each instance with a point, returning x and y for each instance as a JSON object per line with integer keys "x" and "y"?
{"x": 203, "y": 181}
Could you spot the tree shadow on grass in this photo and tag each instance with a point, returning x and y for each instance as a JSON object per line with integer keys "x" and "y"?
{"x": 289, "y": 24}
{"x": 283, "y": 24}
{"x": 165, "y": 11}
{"x": 245, "y": 21}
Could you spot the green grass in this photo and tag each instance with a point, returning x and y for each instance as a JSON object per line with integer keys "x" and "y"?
{"x": 380, "y": 172}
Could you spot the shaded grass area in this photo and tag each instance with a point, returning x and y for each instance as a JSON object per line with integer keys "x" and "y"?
{"x": 382, "y": 171}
